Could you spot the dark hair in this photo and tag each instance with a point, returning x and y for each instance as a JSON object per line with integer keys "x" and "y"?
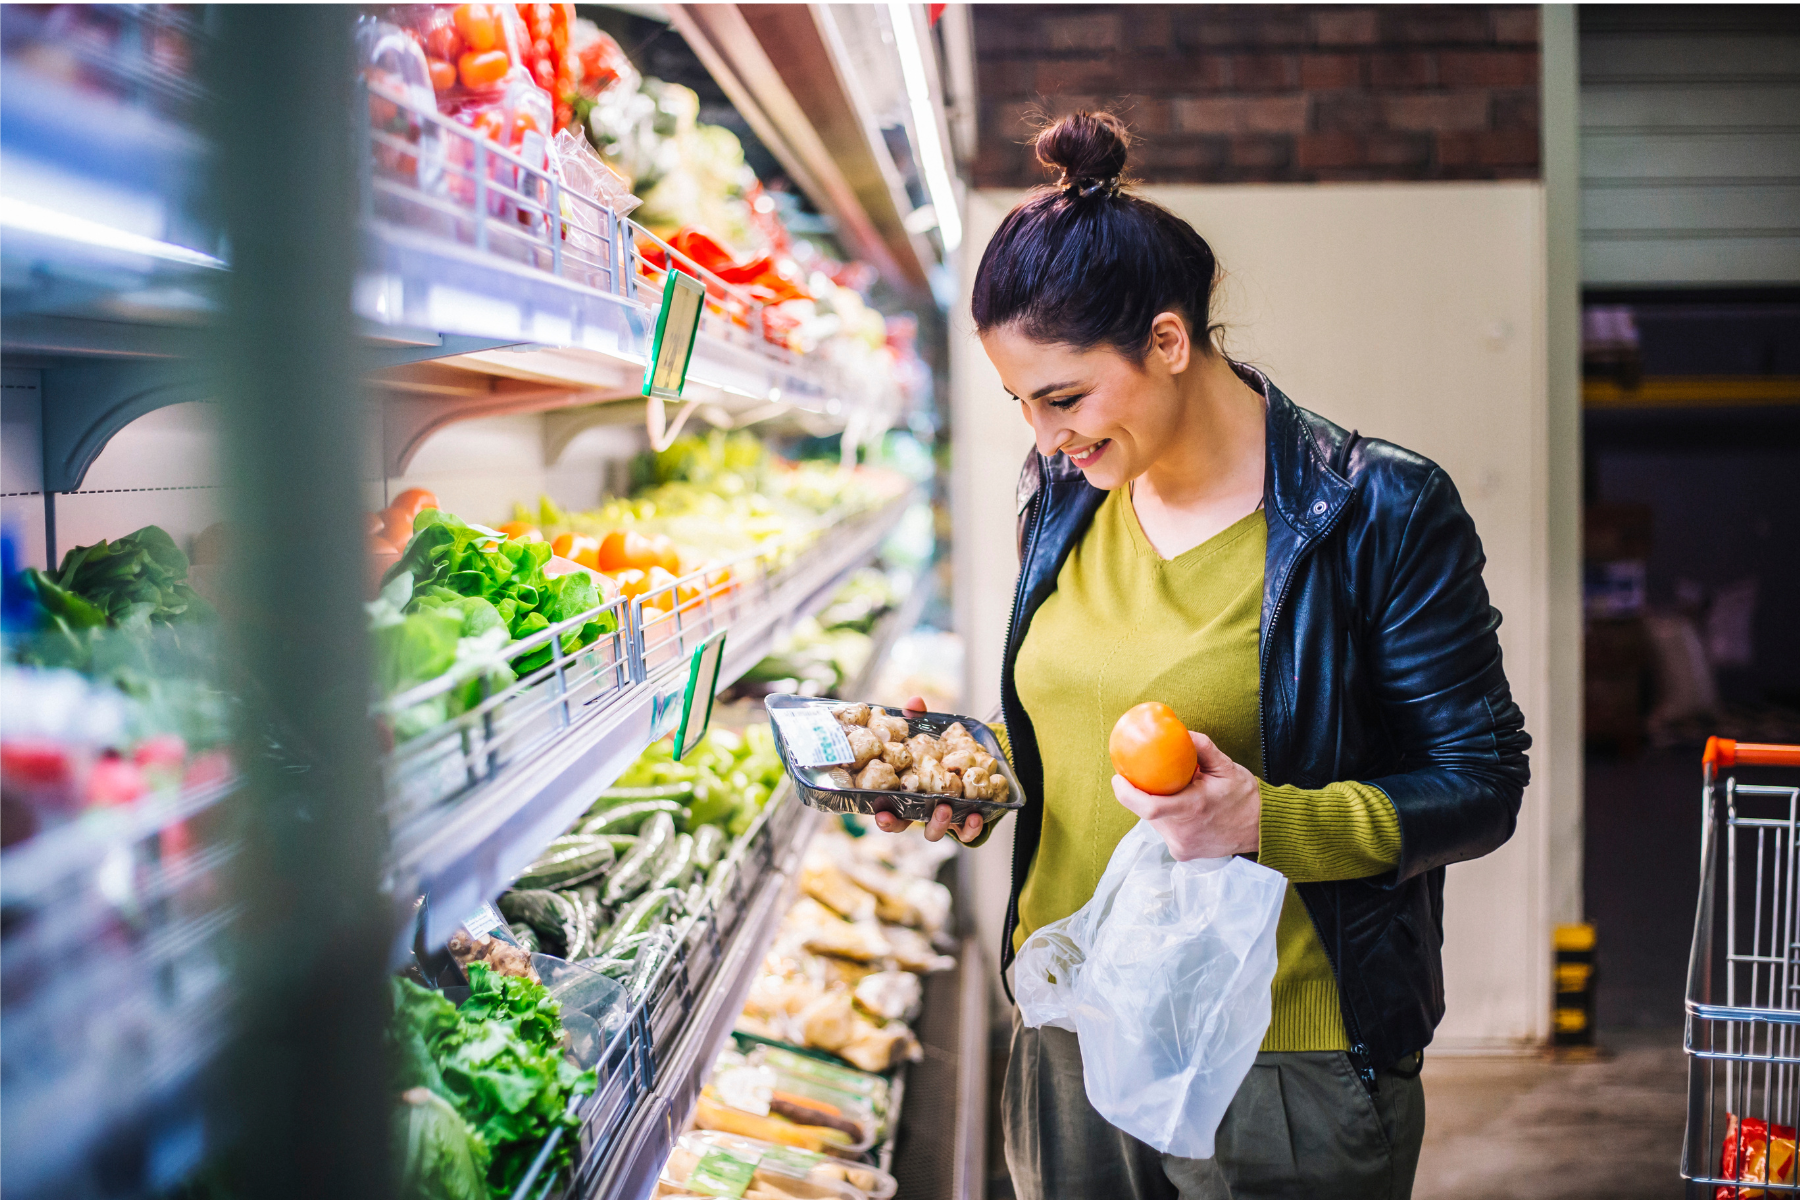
{"x": 1084, "y": 263}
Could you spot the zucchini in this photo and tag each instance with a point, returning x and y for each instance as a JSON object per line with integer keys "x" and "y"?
{"x": 694, "y": 898}
{"x": 709, "y": 844}
{"x": 637, "y": 919}
{"x": 553, "y": 918}
{"x": 632, "y": 817}
{"x": 526, "y": 935}
{"x": 621, "y": 842}
{"x": 675, "y": 864}
{"x": 681, "y": 793}
{"x": 634, "y": 873}
{"x": 569, "y": 860}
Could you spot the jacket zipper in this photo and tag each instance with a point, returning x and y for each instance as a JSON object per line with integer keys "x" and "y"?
{"x": 1359, "y": 1052}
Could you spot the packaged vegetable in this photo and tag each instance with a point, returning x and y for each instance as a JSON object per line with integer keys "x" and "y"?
{"x": 739, "y": 1166}
{"x": 780, "y": 1164}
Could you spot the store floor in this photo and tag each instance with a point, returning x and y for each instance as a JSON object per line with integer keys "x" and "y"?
{"x": 1499, "y": 1128}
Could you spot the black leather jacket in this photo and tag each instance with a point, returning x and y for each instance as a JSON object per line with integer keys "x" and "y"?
{"x": 1380, "y": 663}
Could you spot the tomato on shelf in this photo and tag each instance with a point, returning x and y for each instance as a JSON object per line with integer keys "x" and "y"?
{"x": 479, "y": 25}
{"x": 626, "y": 549}
{"x": 483, "y": 68}
{"x": 667, "y": 556}
{"x": 444, "y": 43}
{"x": 1152, "y": 749}
{"x": 577, "y": 548}
{"x": 443, "y": 75}
{"x": 523, "y": 531}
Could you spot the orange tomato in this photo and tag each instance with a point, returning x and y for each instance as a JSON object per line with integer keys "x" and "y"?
{"x": 479, "y": 25}
{"x": 1151, "y": 748}
{"x": 374, "y": 523}
{"x": 396, "y": 527}
{"x": 632, "y": 583}
{"x": 443, "y": 75}
{"x": 667, "y": 557}
{"x": 411, "y": 503}
{"x": 483, "y": 68}
{"x": 523, "y": 531}
{"x": 656, "y": 578}
{"x": 626, "y": 549}
{"x": 576, "y": 547}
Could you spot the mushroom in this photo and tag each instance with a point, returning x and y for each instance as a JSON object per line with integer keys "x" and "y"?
{"x": 878, "y": 776}
{"x": 863, "y": 745}
{"x": 887, "y": 727}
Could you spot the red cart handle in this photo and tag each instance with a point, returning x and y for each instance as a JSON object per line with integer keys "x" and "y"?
{"x": 1728, "y": 752}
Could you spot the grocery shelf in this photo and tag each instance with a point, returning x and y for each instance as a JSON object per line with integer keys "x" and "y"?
{"x": 624, "y": 1147}
{"x": 473, "y": 800}
{"x": 463, "y": 237}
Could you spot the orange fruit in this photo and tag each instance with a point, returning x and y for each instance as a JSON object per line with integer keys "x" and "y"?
{"x": 667, "y": 557}
{"x": 1151, "y": 748}
{"x": 523, "y": 531}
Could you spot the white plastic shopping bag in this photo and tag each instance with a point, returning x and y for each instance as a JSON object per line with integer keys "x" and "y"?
{"x": 1164, "y": 975}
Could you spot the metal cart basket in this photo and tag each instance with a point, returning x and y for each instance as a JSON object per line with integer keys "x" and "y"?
{"x": 1743, "y": 990}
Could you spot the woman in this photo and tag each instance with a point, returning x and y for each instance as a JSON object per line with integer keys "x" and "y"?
{"x": 1310, "y": 602}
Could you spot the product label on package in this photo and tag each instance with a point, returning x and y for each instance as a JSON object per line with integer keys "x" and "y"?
{"x": 786, "y": 1160}
{"x": 485, "y": 919}
{"x": 813, "y": 736}
{"x": 720, "y": 1173}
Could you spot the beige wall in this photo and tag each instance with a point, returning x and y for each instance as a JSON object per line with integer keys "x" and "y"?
{"x": 1412, "y": 312}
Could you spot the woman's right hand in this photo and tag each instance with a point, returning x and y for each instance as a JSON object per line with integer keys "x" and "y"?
{"x": 966, "y": 831}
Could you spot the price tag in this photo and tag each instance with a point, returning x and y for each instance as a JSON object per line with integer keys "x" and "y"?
{"x": 697, "y": 700}
{"x": 677, "y": 326}
{"x": 813, "y": 736}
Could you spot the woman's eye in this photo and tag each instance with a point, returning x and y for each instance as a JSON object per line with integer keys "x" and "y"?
{"x": 1066, "y": 402}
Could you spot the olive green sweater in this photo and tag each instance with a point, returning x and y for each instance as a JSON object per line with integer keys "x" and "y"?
{"x": 1125, "y": 626}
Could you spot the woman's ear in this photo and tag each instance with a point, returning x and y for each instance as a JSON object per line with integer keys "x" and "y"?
{"x": 1170, "y": 341}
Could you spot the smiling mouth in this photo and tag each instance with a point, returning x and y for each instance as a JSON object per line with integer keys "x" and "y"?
{"x": 1088, "y": 455}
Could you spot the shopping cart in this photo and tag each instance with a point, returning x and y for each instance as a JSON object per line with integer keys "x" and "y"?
{"x": 1743, "y": 992}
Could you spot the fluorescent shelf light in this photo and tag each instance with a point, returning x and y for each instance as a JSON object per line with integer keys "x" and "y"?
{"x": 932, "y": 159}
{"x": 29, "y": 218}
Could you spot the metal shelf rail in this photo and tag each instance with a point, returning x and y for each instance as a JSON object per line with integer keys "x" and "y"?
{"x": 474, "y": 799}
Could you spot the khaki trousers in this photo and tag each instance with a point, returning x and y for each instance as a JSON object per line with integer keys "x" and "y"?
{"x": 1301, "y": 1126}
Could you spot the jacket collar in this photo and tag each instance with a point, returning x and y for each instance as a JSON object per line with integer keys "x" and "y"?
{"x": 1304, "y": 484}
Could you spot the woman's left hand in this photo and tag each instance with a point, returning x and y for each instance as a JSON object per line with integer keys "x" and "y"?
{"x": 1217, "y": 815}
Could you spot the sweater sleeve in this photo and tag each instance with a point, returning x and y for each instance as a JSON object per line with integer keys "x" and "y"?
{"x": 1317, "y": 835}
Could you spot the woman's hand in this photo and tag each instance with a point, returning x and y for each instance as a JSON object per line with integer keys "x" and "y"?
{"x": 1217, "y": 815}
{"x": 967, "y": 831}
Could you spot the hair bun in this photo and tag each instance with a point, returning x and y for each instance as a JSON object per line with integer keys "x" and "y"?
{"x": 1089, "y": 150}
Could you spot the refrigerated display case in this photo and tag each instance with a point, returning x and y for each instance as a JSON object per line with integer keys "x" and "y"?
{"x": 489, "y": 296}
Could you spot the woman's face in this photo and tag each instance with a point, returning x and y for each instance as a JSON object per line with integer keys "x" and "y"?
{"x": 1111, "y": 416}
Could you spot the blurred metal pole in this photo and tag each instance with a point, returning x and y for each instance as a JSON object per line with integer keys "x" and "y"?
{"x": 305, "y": 1084}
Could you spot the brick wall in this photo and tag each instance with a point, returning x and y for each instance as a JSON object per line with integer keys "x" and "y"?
{"x": 1227, "y": 93}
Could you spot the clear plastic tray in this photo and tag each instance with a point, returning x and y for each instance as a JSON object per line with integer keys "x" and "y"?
{"x": 815, "y": 788}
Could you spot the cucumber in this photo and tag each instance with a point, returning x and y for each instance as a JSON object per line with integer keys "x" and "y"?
{"x": 633, "y": 874}
{"x": 553, "y": 917}
{"x": 632, "y": 817}
{"x": 569, "y": 860}
{"x": 637, "y": 919}
{"x": 709, "y": 844}
{"x": 621, "y": 842}
{"x": 693, "y": 898}
{"x": 577, "y": 942}
{"x": 681, "y": 793}
{"x": 675, "y": 864}
{"x": 526, "y": 935}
